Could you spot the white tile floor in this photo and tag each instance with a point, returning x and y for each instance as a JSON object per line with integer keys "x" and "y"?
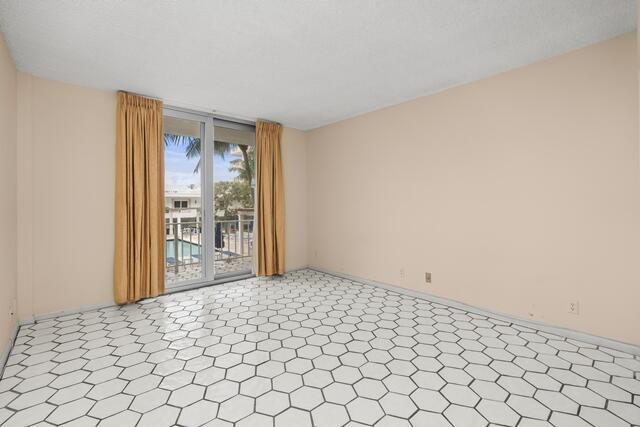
{"x": 308, "y": 349}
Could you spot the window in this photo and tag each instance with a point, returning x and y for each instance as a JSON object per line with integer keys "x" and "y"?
{"x": 180, "y": 204}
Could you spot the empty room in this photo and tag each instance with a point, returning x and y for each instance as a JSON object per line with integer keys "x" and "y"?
{"x": 331, "y": 213}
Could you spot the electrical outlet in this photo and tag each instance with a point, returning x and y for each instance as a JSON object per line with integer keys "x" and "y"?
{"x": 574, "y": 307}
{"x": 427, "y": 277}
{"x": 532, "y": 310}
{"x": 402, "y": 273}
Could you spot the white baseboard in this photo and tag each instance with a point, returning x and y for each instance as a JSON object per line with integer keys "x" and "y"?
{"x": 92, "y": 307}
{"x": 4, "y": 354}
{"x": 541, "y": 326}
{"x": 51, "y": 315}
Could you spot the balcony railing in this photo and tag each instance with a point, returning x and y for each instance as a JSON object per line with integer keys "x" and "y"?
{"x": 184, "y": 244}
{"x": 233, "y": 243}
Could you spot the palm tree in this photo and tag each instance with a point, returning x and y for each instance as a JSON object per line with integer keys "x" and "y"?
{"x": 193, "y": 149}
{"x": 244, "y": 167}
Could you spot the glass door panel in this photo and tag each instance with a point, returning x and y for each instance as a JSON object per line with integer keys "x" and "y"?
{"x": 234, "y": 185}
{"x": 209, "y": 198}
{"x": 184, "y": 258}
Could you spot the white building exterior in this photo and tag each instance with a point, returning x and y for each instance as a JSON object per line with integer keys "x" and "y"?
{"x": 183, "y": 207}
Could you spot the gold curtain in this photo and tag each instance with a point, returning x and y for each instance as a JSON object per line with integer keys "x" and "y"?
{"x": 139, "y": 251}
{"x": 270, "y": 199}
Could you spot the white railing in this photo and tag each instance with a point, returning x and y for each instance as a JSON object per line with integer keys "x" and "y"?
{"x": 237, "y": 238}
{"x": 233, "y": 240}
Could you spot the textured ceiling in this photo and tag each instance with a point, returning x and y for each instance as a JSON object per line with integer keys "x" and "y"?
{"x": 303, "y": 63}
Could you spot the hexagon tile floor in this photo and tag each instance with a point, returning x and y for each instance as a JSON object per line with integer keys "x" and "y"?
{"x": 308, "y": 349}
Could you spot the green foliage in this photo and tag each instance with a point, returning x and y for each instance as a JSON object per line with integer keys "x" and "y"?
{"x": 231, "y": 195}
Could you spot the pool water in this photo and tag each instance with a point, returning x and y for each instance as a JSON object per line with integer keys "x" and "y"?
{"x": 185, "y": 249}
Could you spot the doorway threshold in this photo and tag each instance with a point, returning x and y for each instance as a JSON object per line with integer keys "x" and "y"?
{"x": 219, "y": 281}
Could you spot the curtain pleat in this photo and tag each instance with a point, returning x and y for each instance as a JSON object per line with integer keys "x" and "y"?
{"x": 270, "y": 200}
{"x": 139, "y": 240}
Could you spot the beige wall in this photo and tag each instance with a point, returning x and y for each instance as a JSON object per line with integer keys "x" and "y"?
{"x": 294, "y": 163}
{"x": 66, "y": 181}
{"x": 520, "y": 192}
{"x": 8, "y": 194}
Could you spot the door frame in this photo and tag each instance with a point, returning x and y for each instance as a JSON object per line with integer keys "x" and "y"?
{"x": 207, "y": 182}
{"x": 206, "y": 194}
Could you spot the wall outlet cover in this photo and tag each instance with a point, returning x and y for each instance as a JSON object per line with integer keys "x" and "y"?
{"x": 574, "y": 307}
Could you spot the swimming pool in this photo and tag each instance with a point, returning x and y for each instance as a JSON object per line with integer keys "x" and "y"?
{"x": 185, "y": 249}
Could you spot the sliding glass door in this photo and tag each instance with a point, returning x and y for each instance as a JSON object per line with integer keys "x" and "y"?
{"x": 209, "y": 194}
{"x": 233, "y": 172}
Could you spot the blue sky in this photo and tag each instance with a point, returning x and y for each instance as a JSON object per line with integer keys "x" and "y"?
{"x": 179, "y": 170}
